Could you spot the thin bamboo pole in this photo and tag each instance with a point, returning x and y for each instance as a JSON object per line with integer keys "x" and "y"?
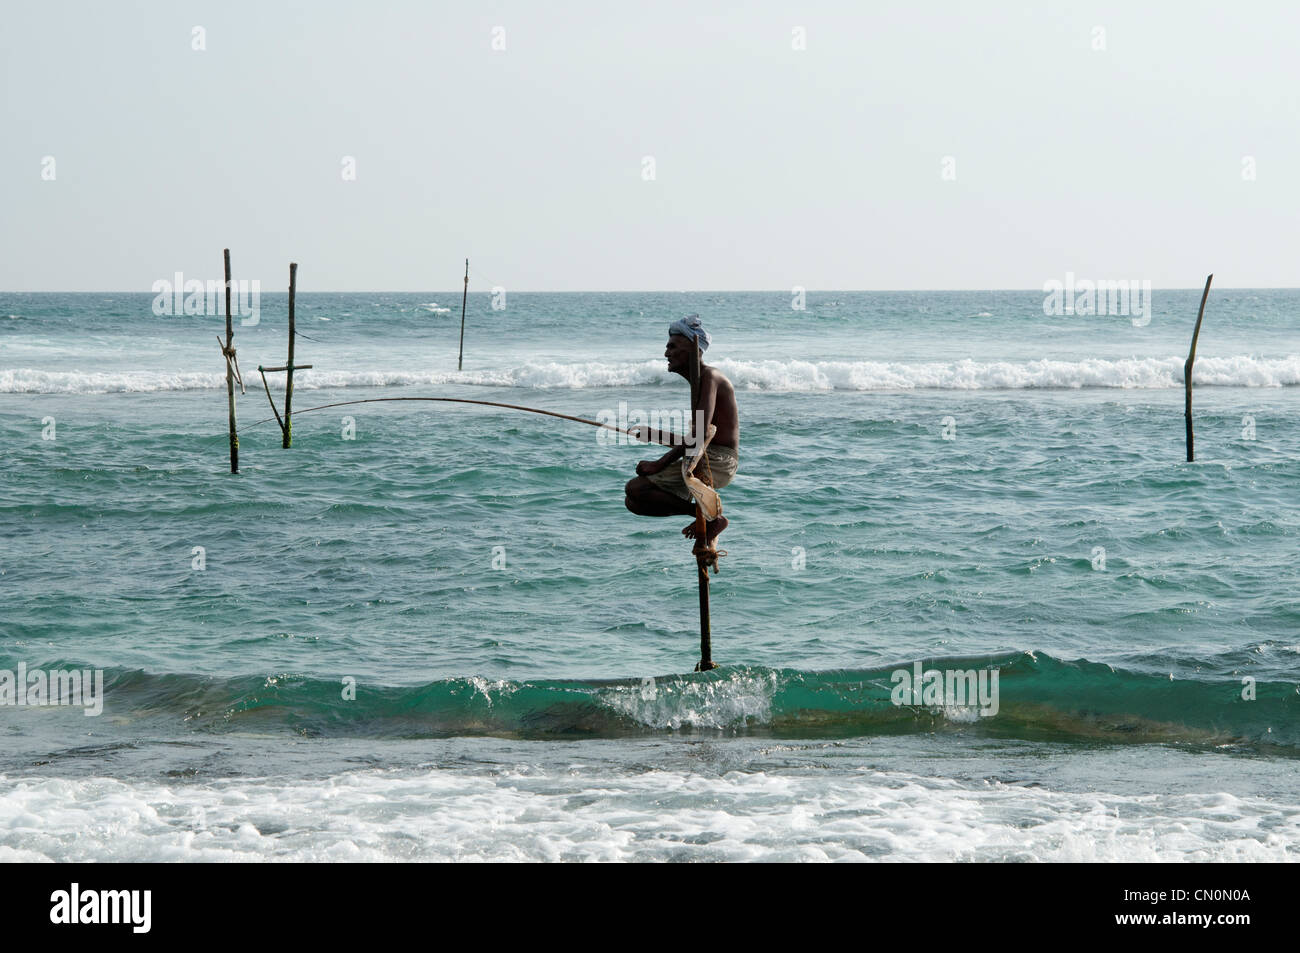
{"x": 230, "y": 374}
{"x": 661, "y": 437}
{"x": 464, "y": 296}
{"x": 288, "y": 383}
{"x": 1187, "y": 372}
{"x": 267, "y": 387}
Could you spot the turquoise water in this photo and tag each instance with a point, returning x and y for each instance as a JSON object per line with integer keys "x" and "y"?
{"x": 521, "y": 646}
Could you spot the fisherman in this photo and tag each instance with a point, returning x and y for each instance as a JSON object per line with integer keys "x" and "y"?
{"x": 659, "y": 488}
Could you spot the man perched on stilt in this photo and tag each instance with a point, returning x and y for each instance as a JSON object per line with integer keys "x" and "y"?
{"x": 660, "y": 489}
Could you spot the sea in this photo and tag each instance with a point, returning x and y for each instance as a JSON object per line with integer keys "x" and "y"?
{"x": 975, "y": 605}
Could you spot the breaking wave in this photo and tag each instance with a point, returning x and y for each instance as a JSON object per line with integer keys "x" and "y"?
{"x": 789, "y": 376}
{"x": 1037, "y": 697}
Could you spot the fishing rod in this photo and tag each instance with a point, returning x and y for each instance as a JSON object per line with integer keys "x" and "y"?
{"x": 663, "y": 439}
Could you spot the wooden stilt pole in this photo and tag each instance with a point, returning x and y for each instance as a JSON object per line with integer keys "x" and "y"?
{"x": 1187, "y": 371}
{"x": 706, "y": 645}
{"x": 701, "y": 550}
{"x": 286, "y": 426}
{"x": 288, "y": 382}
{"x": 464, "y": 295}
{"x": 230, "y": 374}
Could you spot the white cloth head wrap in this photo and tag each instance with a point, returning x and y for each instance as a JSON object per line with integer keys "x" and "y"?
{"x": 690, "y": 327}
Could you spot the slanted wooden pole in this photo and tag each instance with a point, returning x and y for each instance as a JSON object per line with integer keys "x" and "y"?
{"x": 287, "y": 429}
{"x": 464, "y": 295}
{"x": 230, "y": 374}
{"x": 274, "y": 409}
{"x": 1187, "y": 371}
{"x": 701, "y": 549}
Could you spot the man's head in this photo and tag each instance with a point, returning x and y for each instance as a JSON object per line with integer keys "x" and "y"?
{"x": 682, "y": 335}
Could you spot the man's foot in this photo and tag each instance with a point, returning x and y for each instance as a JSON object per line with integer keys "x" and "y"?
{"x": 711, "y": 529}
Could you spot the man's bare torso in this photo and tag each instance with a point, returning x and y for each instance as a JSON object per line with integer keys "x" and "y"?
{"x": 726, "y": 416}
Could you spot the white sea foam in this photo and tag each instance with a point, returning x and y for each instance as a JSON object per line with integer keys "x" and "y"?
{"x": 731, "y": 703}
{"x": 603, "y": 813}
{"x": 788, "y": 376}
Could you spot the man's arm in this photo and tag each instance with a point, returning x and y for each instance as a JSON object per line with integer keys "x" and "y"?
{"x": 647, "y": 467}
{"x": 708, "y": 402}
{"x": 665, "y": 438}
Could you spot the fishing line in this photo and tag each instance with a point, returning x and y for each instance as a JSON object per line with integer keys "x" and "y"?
{"x": 460, "y": 400}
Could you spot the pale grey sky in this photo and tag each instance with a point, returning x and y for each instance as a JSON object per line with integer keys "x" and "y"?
{"x": 774, "y": 166}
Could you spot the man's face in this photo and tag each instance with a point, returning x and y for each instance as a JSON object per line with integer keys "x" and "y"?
{"x": 679, "y": 352}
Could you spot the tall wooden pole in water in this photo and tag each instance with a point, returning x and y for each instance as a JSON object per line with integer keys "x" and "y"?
{"x": 701, "y": 548}
{"x": 288, "y": 383}
{"x": 230, "y": 374}
{"x": 1187, "y": 371}
{"x": 460, "y": 358}
{"x": 286, "y": 424}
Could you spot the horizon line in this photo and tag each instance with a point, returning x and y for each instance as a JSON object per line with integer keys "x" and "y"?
{"x": 781, "y": 291}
